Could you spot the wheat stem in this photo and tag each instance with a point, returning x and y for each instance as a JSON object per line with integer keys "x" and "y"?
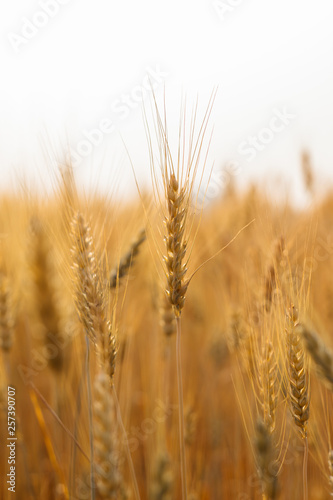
{"x": 91, "y": 438}
{"x": 181, "y": 412}
{"x": 47, "y": 440}
{"x": 127, "y": 450}
{"x": 60, "y": 422}
{"x": 305, "y": 468}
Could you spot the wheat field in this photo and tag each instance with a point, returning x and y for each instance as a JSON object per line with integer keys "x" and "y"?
{"x": 153, "y": 349}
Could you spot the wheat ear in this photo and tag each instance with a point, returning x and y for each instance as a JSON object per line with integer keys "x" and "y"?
{"x": 163, "y": 478}
{"x": 266, "y": 462}
{"x": 167, "y": 317}
{"x": 88, "y": 299}
{"x": 298, "y": 385}
{"x": 269, "y": 371}
{"x": 109, "y": 480}
{"x": 298, "y": 377}
{"x": 127, "y": 260}
{"x": 45, "y": 293}
{"x": 321, "y": 355}
{"x": 91, "y": 301}
{"x": 175, "y": 243}
{"x": 271, "y": 276}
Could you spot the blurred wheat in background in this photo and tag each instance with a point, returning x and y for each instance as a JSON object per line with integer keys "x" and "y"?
{"x": 92, "y": 296}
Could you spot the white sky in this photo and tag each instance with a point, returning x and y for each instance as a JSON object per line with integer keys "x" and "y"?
{"x": 61, "y": 79}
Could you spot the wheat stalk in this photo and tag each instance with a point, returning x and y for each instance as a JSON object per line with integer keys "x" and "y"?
{"x": 178, "y": 182}
{"x": 6, "y": 319}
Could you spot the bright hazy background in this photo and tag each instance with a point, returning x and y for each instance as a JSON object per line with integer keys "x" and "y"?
{"x": 66, "y": 65}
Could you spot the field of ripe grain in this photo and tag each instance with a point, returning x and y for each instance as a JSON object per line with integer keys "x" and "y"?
{"x": 156, "y": 351}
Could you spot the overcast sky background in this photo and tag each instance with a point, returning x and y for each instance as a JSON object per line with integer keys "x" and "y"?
{"x": 70, "y": 67}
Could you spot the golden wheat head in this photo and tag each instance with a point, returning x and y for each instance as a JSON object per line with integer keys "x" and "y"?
{"x": 298, "y": 376}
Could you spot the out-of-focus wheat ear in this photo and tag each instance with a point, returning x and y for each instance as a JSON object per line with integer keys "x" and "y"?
{"x": 68, "y": 190}
{"x": 106, "y": 346}
{"x": 46, "y": 301}
{"x": 236, "y": 332}
{"x": 167, "y": 317}
{"x": 3, "y": 391}
{"x": 269, "y": 286}
{"x": 191, "y": 427}
{"x": 321, "y": 355}
{"x": 266, "y": 460}
{"x": 307, "y": 171}
{"x": 91, "y": 301}
{"x": 112, "y": 352}
{"x": 271, "y": 280}
{"x": 298, "y": 377}
{"x": 163, "y": 478}
{"x": 218, "y": 348}
{"x": 127, "y": 260}
{"x": 270, "y": 396}
{"x": 250, "y": 358}
{"x": 330, "y": 470}
{"x": 109, "y": 479}
{"x": 175, "y": 243}
{"x": 6, "y": 317}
